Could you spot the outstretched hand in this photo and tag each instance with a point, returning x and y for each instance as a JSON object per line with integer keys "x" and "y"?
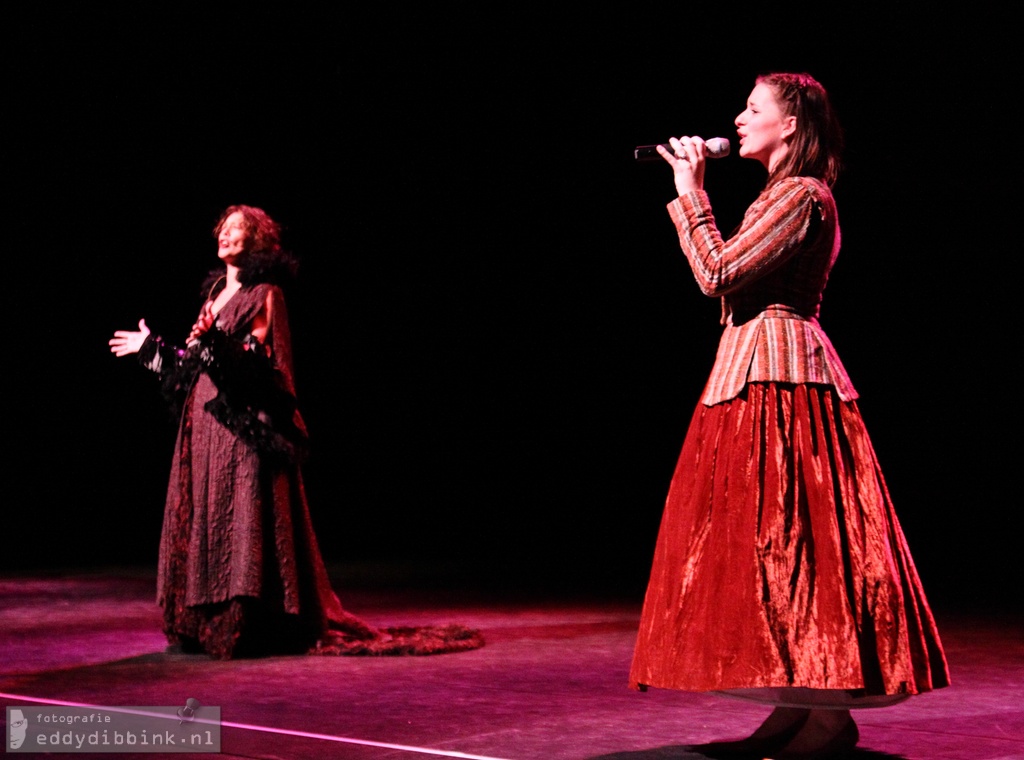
{"x": 127, "y": 342}
{"x": 687, "y": 162}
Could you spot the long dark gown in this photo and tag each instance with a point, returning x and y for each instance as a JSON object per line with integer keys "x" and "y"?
{"x": 240, "y": 571}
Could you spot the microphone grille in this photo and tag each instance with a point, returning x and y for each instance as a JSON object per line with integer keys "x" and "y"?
{"x": 718, "y": 147}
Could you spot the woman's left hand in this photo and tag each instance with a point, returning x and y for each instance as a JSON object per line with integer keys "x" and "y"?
{"x": 687, "y": 162}
{"x": 203, "y": 324}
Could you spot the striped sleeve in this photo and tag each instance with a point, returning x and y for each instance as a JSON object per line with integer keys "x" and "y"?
{"x": 772, "y": 232}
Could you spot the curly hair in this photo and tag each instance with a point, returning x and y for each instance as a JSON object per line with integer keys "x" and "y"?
{"x": 817, "y": 143}
{"x": 264, "y": 260}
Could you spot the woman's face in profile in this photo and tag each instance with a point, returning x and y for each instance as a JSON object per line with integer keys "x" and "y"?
{"x": 762, "y": 126}
{"x": 231, "y": 238}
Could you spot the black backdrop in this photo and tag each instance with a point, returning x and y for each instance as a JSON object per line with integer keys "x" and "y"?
{"x": 498, "y": 343}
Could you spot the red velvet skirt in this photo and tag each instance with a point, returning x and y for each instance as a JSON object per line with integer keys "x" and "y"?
{"x": 780, "y": 563}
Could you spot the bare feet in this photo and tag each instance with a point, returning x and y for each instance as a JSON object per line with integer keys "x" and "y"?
{"x": 824, "y": 734}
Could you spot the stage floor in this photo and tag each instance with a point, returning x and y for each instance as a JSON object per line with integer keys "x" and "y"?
{"x": 549, "y": 684}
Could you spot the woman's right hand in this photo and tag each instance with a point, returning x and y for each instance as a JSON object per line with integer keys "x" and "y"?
{"x": 127, "y": 342}
{"x": 687, "y": 162}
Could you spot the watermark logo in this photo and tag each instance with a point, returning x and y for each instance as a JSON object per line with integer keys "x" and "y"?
{"x": 17, "y": 727}
{"x": 194, "y": 728}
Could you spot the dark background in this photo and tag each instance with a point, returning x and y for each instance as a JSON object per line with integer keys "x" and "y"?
{"x": 498, "y": 343}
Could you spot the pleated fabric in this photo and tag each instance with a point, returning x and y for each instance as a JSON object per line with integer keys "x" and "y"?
{"x": 780, "y": 563}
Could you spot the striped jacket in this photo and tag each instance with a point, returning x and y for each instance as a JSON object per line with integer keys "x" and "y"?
{"x": 770, "y": 276}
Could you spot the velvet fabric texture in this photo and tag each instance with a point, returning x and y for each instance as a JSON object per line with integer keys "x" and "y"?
{"x": 780, "y": 561}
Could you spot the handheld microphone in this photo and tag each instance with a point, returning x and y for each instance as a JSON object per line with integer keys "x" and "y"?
{"x": 718, "y": 147}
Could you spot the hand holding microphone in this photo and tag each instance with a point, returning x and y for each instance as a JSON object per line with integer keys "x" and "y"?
{"x": 717, "y": 147}
{"x": 686, "y": 157}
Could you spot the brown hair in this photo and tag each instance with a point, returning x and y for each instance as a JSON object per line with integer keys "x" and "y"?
{"x": 815, "y": 147}
{"x": 263, "y": 234}
{"x": 264, "y": 260}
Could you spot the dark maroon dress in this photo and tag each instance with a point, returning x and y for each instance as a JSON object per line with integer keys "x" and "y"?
{"x": 240, "y": 572}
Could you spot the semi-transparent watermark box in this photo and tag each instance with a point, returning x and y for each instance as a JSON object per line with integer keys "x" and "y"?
{"x": 48, "y": 728}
